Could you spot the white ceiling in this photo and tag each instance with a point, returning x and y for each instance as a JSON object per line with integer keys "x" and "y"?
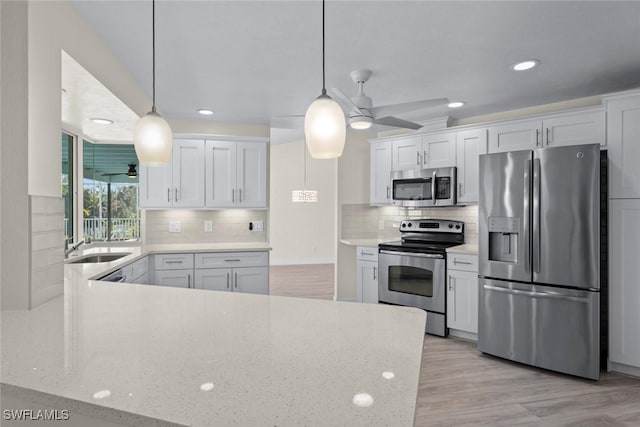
{"x": 251, "y": 61}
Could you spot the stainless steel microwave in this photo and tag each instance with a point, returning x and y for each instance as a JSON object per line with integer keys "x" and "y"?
{"x": 424, "y": 187}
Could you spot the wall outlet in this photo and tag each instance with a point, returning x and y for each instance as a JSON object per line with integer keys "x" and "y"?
{"x": 208, "y": 226}
{"x": 175, "y": 226}
{"x": 381, "y": 225}
{"x": 256, "y": 225}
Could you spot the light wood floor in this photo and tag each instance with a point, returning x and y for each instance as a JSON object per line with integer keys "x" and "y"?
{"x": 461, "y": 387}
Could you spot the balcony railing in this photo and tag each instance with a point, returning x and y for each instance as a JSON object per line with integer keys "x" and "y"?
{"x": 121, "y": 228}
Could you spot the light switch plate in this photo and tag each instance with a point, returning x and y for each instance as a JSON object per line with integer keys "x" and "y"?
{"x": 257, "y": 225}
{"x": 208, "y": 226}
{"x": 175, "y": 226}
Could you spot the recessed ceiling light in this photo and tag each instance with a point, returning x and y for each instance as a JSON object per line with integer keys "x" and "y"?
{"x": 101, "y": 121}
{"x": 525, "y": 65}
{"x": 456, "y": 104}
{"x": 205, "y": 112}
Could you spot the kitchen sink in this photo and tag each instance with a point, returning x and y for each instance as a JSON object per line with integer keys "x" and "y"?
{"x": 95, "y": 258}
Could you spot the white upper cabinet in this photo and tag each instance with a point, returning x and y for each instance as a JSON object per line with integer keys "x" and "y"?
{"x": 180, "y": 183}
{"x": 574, "y": 129}
{"x": 623, "y": 140}
{"x": 407, "y": 153}
{"x": 236, "y": 174}
{"x": 380, "y": 173}
{"x": 251, "y": 175}
{"x": 521, "y": 135}
{"x": 188, "y": 174}
{"x": 568, "y": 128}
{"x": 469, "y": 145}
{"x": 439, "y": 150}
{"x": 436, "y": 150}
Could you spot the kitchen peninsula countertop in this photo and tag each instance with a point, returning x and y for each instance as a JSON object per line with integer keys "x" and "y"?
{"x": 367, "y": 242}
{"x": 470, "y": 249}
{"x": 152, "y": 355}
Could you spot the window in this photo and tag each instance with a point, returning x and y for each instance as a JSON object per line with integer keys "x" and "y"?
{"x": 110, "y": 192}
{"x": 67, "y": 184}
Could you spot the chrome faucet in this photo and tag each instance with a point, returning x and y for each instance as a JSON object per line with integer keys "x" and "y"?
{"x": 68, "y": 249}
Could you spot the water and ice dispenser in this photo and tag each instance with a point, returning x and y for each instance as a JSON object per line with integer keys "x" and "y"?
{"x": 504, "y": 235}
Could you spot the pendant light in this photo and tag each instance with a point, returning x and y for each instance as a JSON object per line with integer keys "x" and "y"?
{"x": 152, "y": 137}
{"x": 324, "y": 125}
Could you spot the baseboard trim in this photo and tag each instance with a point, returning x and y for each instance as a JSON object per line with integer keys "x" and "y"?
{"x": 469, "y": 336}
{"x": 623, "y": 369}
{"x": 346, "y": 299}
{"x": 301, "y": 261}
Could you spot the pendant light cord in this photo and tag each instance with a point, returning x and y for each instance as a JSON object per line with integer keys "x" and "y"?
{"x": 153, "y": 51}
{"x": 324, "y": 90}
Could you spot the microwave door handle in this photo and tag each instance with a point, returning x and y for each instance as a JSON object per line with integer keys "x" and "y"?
{"x": 433, "y": 186}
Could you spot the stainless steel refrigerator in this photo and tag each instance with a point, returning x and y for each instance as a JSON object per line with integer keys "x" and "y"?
{"x": 539, "y": 258}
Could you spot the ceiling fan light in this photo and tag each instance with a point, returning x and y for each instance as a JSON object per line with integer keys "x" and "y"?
{"x": 360, "y": 122}
{"x": 153, "y": 140}
{"x": 325, "y": 128}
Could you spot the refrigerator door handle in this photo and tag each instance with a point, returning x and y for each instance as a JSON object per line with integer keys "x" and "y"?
{"x": 537, "y": 294}
{"x": 537, "y": 226}
{"x": 527, "y": 198}
{"x": 433, "y": 187}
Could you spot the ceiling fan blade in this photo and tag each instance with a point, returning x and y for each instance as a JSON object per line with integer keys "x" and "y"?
{"x": 344, "y": 100}
{"x": 389, "y": 110}
{"x": 396, "y": 122}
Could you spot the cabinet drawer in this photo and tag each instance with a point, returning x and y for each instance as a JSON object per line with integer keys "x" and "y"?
{"x": 135, "y": 269}
{"x": 367, "y": 253}
{"x": 232, "y": 259}
{"x": 462, "y": 262}
{"x": 173, "y": 261}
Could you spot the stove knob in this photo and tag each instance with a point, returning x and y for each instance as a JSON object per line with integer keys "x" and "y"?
{"x": 403, "y": 225}
{"x": 409, "y": 224}
{"x": 450, "y": 225}
{"x": 458, "y": 227}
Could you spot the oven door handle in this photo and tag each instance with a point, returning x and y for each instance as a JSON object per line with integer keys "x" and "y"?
{"x": 436, "y": 256}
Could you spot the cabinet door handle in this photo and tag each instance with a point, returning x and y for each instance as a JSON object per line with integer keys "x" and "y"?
{"x": 388, "y": 189}
{"x": 231, "y": 260}
{"x": 236, "y": 281}
{"x": 418, "y": 158}
{"x": 173, "y": 262}
{"x": 455, "y": 261}
{"x": 175, "y": 194}
{"x": 425, "y": 157}
{"x": 374, "y": 273}
{"x": 233, "y": 195}
{"x": 450, "y": 283}
{"x": 188, "y": 280}
{"x": 168, "y": 195}
{"x": 460, "y": 189}
{"x": 548, "y": 138}
{"x": 366, "y": 253}
{"x": 228, "y": 280}
{"x": 239, "y": 195}
{"x": 537, "y": 137}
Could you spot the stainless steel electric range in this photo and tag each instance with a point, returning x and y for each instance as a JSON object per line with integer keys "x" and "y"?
{"x": 413, "y": 270}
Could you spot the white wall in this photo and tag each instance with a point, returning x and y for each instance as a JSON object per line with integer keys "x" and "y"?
{"x": 15, "y": 213}
{"x": 353, "y": 187}
{"x": 301, "y": 233}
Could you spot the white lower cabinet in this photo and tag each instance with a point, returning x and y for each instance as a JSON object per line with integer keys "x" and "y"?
{"x": 174, "y": 278}
{"x": 462, "y": 294}
{"x": 253, "y": 280}
{"x": 624, "y": 285}
{"x": 367, "y": 274}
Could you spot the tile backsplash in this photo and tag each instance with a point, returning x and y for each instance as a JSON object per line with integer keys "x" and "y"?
{"x": 47, "y": 248}
{"x": 362, "y": 221}
{"x": 230, "y": 225}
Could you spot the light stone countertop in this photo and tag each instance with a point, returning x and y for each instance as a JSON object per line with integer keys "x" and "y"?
{"x": 265, "y": 360}
{"x": 367, "y": 242}
{"x": 470, "y": 249}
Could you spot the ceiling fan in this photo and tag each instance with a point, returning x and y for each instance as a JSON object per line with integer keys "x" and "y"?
{"x": 131, "y": 173}
{"x": 361, "y": 113}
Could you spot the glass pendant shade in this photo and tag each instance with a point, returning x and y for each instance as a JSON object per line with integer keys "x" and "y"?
{"x": 153, "y": 140}
{"x": 325, "y": 128}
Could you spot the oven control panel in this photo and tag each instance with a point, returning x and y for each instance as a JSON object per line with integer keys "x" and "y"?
{"x": 431, "y": 226}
